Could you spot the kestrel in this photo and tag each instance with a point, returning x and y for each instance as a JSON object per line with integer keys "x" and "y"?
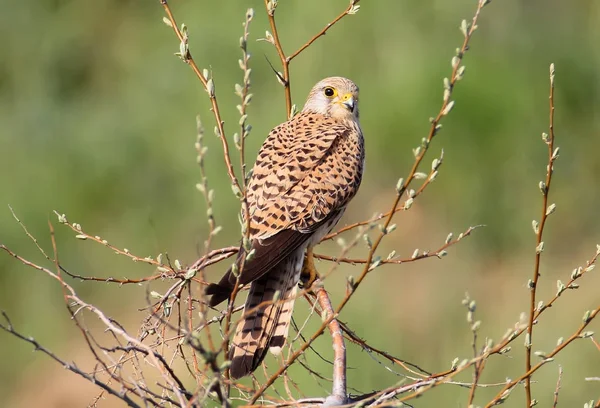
{"x": 306, "y": 172}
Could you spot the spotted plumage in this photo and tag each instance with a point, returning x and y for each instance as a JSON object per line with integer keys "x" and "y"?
{"x": 305, "y": 174}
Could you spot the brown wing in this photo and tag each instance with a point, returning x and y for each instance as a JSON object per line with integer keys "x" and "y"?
{"x": 292, "y": 151}
{"x": 268, "y": 254}
{"x": 305, "y": 173}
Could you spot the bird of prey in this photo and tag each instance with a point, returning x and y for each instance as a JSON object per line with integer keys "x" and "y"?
{"x": 307, "y": 171}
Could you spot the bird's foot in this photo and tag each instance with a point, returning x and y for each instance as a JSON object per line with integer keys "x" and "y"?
{"x": 309, "y": 273}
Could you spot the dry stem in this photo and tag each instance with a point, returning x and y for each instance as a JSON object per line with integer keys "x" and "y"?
{"x": 546, "y": 211}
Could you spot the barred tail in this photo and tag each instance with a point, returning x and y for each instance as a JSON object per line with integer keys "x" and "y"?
{"x": 267, "y": 316}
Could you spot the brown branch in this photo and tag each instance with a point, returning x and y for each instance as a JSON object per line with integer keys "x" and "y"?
{"x": 596, "y": 343}
{"x": 170, "y": 313}
{"x": 69, "y": 366}
{"x": 324, "y": 30}
{"x": 507, "y": 339}
{"x": 244, "y": 94}
{"x": 285, "y": 61}
{"x": 291, "y": 360}
{"x": 545, "y": 359}
{"x": 270, "y": 6}
{"x": 159, "y": 363}
{"x": 477, "y": 370}
{"x": 213, "y": 257}
{"x": 74, "y": 301}
{"x": 438, "y": 253}
{"x": 203, "y": 185}
{"x": 557, "y": 389}
{"x": 338, "y": 393}
{"x": 444, "y": 377}
{"x": 420, "y": 152}
{"x": 307, "y": 344}
{"x": 33, "y": 239}
{"x": 84, "y": 236}
{"x": 209, "y": 86}
{"x": 430, "y": 177}
{"x": 88, "y": 338}
{"x": 353, "y": 337}
{"x": 546, "y": 211}
{"x": 190, "y": 310}
{"x": 444, "y": 110}
{"x": 479, "y": 365}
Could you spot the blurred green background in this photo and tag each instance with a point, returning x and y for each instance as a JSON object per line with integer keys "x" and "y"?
{"x": 97, "y": 120}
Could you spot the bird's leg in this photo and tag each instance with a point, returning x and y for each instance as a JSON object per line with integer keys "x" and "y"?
{"x": 309, "y": 273}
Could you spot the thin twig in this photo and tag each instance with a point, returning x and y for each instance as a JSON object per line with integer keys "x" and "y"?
{"x": 539, "y": 229}
{"x": 557, "y": 389}
{"x": 209, "y": 86}
{"x": 438, "y": 253}
{"x": 589, "y": 317}
{"x": 285, "y": 77}
{"x": 403, "y": 184}
{"x": 478, "y": 366}
{"x": 285, "y": 61}
{"x": 71, "y": 367}
{"x": 321, "y": 33}
{"x": 291, "y": 360}
{"x": 429, "y": 178}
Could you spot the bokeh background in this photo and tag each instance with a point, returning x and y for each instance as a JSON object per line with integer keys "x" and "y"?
{"x": 97, "y": 120}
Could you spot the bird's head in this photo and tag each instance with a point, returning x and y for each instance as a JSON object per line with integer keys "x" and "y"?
{"x": 336, "y": 97}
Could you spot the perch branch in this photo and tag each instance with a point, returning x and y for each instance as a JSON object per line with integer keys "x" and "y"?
{"x": 338, "y": 394}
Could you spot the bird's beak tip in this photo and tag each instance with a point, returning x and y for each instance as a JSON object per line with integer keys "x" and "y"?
{"x": 349, "y": 103}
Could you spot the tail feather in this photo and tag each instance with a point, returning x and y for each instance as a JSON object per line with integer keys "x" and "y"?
{"x": 266, "y": 320}
{"x": 218, "y": 293}
{"x": 282, "y": 327}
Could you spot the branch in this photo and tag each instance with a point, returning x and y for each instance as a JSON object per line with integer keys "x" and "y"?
{"x": 402, "y": 185}
{"x": 503, "y": 345}
{"x": 539, "y": 230}
{"x": 557, "y": 389}
{"x": 352, "y": 9}
{"x": 546, "y": 358}
{"x": 412, "y": 194}
{"x": 479, "y": 365}
{"x": 338, "y": 394}
{"x": 208, "y": 84}
{"x": 438, "y": 253}
{"x": 285, "y": 77}
{"x": 285, "y": 61}
{"x": 457, "y": 73}
{"x": 8, "y": 327}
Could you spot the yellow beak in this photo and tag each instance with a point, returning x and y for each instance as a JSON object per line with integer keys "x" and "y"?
{"x": 348, "y": 102}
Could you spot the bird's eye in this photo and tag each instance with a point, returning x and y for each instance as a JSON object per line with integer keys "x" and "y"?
{"x": 329, "y": 92}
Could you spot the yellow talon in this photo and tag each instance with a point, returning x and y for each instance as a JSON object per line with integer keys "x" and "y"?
{"x": 309, "y": 273}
